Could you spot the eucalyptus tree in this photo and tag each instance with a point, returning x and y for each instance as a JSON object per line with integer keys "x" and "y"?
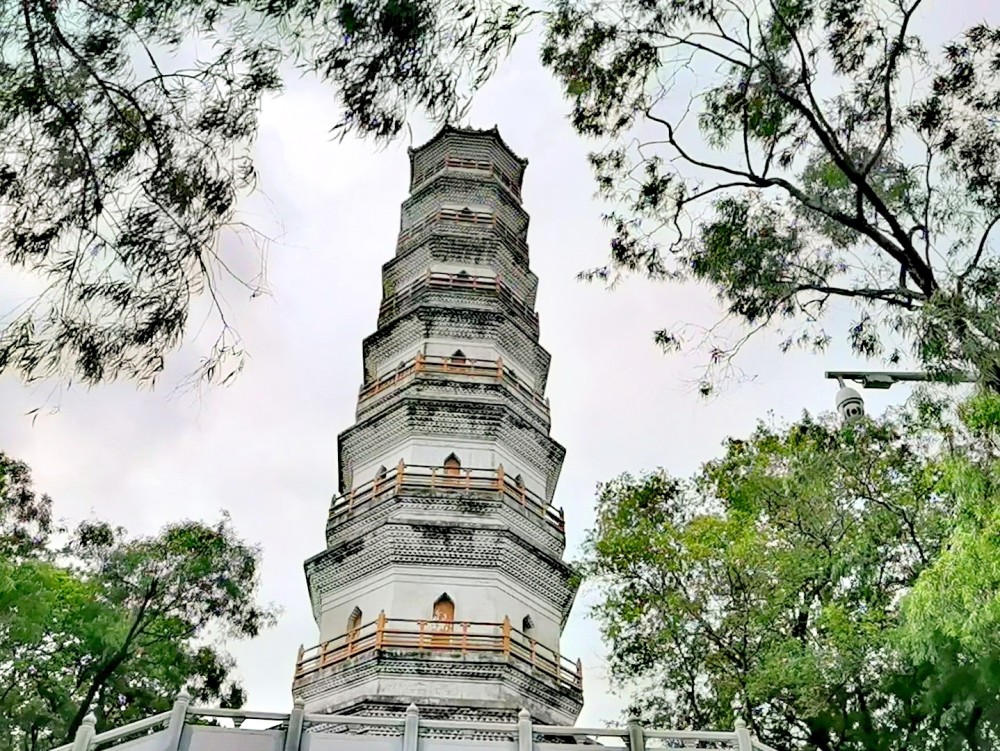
{"x": 790, "y": 154}
{"x": 127, "y": 128}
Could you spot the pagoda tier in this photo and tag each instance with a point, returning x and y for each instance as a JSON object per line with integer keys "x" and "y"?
{"x": 442, "y": 583}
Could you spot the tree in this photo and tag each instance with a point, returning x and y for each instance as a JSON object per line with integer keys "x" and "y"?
{"x": 783, "y": 583}
{"x": 118, "y": 625}
{"x": 825, "y": 155}
{"x": 25, "y": 517}
{"x": 952, "y": 616}
{"x": 126, "y": 150}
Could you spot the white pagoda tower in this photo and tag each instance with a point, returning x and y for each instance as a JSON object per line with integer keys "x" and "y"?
{"x": 442, "y": 583}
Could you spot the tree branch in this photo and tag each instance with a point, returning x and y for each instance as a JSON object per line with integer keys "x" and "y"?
{"x": 893, "y": 295}
{"x": 979, "y": 252}
{"x": 892, "y": 59}
{"x": 856, "y": 223}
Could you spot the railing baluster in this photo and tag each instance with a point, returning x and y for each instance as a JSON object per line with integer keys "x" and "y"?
{"x": 424, "y": 635}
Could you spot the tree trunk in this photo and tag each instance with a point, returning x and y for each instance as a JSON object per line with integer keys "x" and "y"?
{"x": 106, "y": 671}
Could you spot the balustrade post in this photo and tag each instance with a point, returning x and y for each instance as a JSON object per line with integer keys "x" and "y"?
{"x": 298, "y": 661}
{"x": 400, "y": 472}
{"x": 506, "y": 634}
{"x": 418, "y": 362}
{"x": 175, "y": 728}
{"x": 420, "y": 634}
{"x": 500, "y": 478}
{"x": 525, "y": 741}
{"x": 84, "y": 737}
{"x": 499, "y": 368}
{"x": 636, "y": 735}
{"x": 380, "y": 630}
{"x": 324, "y": 648}
{"x": 533, "y": 646}
{"x": 579, "y": 674}
{"x": 411, "y": 728}
{"x": 465, "y": 637}
{"x": 293, "y": 736}
{"x": 743, "y": 740}
{"x": 468, "y": 479}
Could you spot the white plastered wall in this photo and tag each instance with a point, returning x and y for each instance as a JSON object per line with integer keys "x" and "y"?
{"x": 444, "y": 268}
{"x": 432, "y": 451}
{"x": 410, "y": 593}
{"x": 473, "y": 349}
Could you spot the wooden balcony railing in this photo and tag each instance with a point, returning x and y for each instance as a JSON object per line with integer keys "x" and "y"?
{"x": 455, "y": 638}
{"x": 408, "y": 477}
{"x": 439, "y": 281}
{"x": 453, "y": 162}
{"x": 491, "y": 370}
{"x": 462, "y": 217}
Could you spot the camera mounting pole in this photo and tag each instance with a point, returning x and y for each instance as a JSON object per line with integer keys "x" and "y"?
{"x": 874, "y": 379}
{"x": 851, "y": 406}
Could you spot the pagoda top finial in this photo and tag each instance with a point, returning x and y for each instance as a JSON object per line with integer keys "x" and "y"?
{"x": 452, "y": 129}
{"x": 477, "y": 145}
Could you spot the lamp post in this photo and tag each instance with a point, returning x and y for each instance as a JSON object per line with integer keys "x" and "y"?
{"x": 851, "y": 406}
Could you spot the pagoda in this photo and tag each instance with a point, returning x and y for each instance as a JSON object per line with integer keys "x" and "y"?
{"x": 443, "y": 583}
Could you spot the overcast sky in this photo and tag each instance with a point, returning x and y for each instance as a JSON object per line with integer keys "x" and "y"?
{"x": 265, "y": 447}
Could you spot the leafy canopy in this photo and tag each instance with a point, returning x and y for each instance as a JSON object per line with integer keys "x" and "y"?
{"x": 814, "y": 580}
{"x": 127, "y": 128}
{"x": 825, "y": 153}
{"x": 114, "y": 624}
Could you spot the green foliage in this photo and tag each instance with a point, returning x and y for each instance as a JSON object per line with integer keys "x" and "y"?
{"x": 118, "y": 625}
{"x": 836, "y": 587}
{"x": 127, "y": 128}
{"x": 956, "y": 604}
{"x": 25, "y": 517}
{"x": 828, "y": 156}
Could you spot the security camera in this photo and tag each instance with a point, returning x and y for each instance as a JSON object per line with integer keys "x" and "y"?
{"x": 850, "y": 405}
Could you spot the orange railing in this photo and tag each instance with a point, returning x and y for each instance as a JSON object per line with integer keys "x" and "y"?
{"x": 408, "y": 477}
{"x": 465, "y": 217}
{"x": 439, "y": 281}
{"x": 451, "y": 162}
{"x": 492, "y": 370}
{"x": 458, "y": 638}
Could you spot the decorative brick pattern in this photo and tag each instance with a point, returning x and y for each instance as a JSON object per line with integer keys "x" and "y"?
{"x": 437, "y": 388}
{"x": 411, "y": 416}
{"x": 405, "y": 332}
{"x": 439, "y": 545}
{"x": 461, "y": 300}
{"x": 457, "y": 191}
{"x": 523, "y": 523}
{"x": 458, "y": 249}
